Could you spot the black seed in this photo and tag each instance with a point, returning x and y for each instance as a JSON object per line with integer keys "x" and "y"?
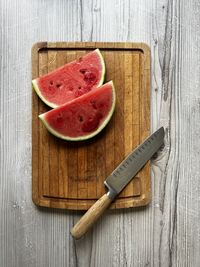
{"x": 80, "y": 118}
{"x": 83, "y": 71}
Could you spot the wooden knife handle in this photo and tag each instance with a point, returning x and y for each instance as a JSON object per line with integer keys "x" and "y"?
{"x": 90, "y": 217}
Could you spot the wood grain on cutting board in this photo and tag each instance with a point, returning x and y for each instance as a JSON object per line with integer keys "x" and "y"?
{"x": 70, "y": 175}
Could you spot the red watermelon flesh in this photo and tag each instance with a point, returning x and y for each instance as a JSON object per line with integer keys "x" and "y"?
{"x": 83, "y": 117}
{"x": 71, "y": 80}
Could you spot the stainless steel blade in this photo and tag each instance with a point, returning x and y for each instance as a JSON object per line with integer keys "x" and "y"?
{"x": 131, "y": 165}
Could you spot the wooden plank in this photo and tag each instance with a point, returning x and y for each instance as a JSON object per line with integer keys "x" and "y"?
{"x": 43, "y": 156}
{"x": 91, "y": 170}
{"x": 145, "y": 114}
{"x": 119, "y": 114}
{"x": 35, "y": 130}
{"x": 53, "y": 177}
{"x": 82, "y": 161}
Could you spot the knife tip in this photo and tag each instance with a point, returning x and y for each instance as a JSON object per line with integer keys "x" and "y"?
{"x": 161, "y": 131}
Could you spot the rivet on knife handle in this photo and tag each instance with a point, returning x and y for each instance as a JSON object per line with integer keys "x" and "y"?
{"x": 118, "y": 179}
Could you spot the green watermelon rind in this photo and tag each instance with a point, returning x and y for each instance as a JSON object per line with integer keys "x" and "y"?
{"x": 85, "y": 137}
{"x": 52, "y": 105}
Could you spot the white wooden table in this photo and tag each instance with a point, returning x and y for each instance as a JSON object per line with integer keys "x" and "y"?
{"x": 167, "y": 232}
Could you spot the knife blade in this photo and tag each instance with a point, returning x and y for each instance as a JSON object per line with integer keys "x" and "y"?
{"x": 118, "y": 179}
{"x": 130, "y": 166}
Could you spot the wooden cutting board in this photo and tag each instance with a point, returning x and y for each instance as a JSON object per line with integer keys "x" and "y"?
{"x": 70, "y": 175}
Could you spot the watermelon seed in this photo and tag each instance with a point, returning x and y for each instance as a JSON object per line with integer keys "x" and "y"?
{"x": 58, "y": 85}
{"x": 51, "y": 82}
{"x": 79, "y": 87}
{"x": 82, "y": 71}
{"x": 80, "y": 118}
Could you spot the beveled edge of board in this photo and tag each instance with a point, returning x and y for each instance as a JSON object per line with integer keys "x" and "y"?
{"x": 142, "y": 47}
{"x": 38, "y": 199}
{"x": 127, "y": 202}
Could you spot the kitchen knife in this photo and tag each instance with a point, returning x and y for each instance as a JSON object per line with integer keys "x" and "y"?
{"x": 118, "y": 179}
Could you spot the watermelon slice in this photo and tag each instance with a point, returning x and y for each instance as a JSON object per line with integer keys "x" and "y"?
{"x": 83, "y": 117}
{"x": 71, "y": 80}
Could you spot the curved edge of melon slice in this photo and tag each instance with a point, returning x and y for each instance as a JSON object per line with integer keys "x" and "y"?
{"x": 52, "y": 105}
{"x": 85, "y": 137}
{"x": 37, "y": 90}
{"x": 103, "y": 67}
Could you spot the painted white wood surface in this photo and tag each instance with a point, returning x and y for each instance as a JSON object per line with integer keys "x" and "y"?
{"x": 167, "y": 232}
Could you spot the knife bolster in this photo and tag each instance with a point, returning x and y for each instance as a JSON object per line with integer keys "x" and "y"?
{"x": 111, "y": 192}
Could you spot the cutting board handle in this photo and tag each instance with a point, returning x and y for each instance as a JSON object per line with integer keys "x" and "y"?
{"x": 90, "y": 217}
